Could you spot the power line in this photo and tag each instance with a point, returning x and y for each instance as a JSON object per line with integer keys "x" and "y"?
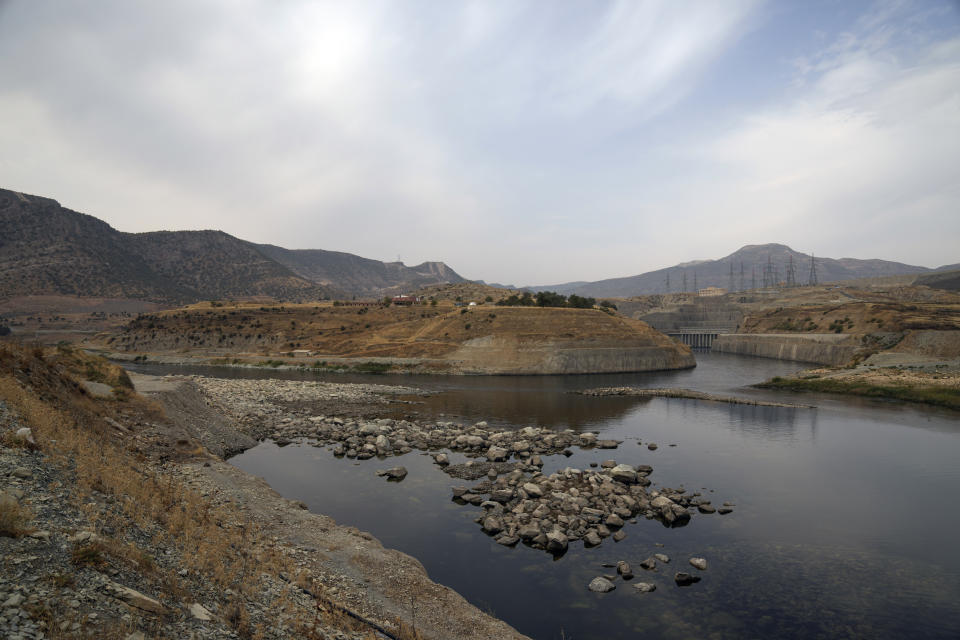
{"x": 791, "y": 274}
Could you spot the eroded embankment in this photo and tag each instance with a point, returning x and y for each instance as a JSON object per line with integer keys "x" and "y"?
{"x": 441, "y": 339}
{"x": 106, "y": 531}
{"x": 822, "y": 348}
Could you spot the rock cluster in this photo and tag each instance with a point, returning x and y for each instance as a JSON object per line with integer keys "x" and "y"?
{"x": 520, "y": 503}
{"x": 606, "y": 583}
{"x": 550, "y": 511}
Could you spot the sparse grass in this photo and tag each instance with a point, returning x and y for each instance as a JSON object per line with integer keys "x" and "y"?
{"x": 237, "y": 617}
{"x": 939, "y": 396}
{"x": 14, "y": 518}
{"x": 87, "y": 554}
{"x": 217, "y": 542}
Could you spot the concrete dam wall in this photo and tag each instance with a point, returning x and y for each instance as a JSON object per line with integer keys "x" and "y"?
{"x": 822, "y": 348}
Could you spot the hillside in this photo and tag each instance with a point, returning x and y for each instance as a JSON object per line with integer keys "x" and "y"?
{"x": 828, "y": 324}
{"x": 359, "y": 276}
{"x": 213, "y": 264}
{"x": 949, "y": 280}
{"x": 750, "y": 260}
{"x": 482, "y": 339}
{"x": 46, "y": 249}
{"x": 464, "y": 292}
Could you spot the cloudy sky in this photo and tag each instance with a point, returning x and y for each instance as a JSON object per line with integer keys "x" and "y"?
{"x": 523, "y": 142}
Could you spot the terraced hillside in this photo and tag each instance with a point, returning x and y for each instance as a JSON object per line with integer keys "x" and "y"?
{"x": 481, "y": 339}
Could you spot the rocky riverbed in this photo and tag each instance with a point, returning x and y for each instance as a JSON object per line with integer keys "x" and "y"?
{"x": 519, "y": 502}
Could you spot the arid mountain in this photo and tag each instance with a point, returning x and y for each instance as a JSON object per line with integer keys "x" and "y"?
{"x": 751, "y": 266}
{"x": 47, "y": 249}
{"x": 360, "y": 276}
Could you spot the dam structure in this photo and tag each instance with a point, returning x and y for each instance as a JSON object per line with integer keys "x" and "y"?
{"x": 697, "y": 323}
{"x": 700, "y": 338}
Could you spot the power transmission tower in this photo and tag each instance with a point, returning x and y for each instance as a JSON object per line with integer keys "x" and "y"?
{"x": 769, "y": 274}
{"x": 753, "y": 277}
{"x": 813, "y": 271}
{"x": 684, "y": 281}
{"x": 743, "y": 282}
{"x": 731, "y": 278}
{"x": 791, "y": 274}
{"x": 695, "y": 282}
{"x": 668, "y": 282}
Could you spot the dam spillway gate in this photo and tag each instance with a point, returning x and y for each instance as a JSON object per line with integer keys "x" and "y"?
{"x": 697, "y": 338}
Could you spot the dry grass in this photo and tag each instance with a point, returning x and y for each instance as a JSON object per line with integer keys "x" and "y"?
{"x": 87, "y": 554}
{"x": 375, "y": 332}
{"x": 217, "y": 542}
{"x": 14, "y": 519}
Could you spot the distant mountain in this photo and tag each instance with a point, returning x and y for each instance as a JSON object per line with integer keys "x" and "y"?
{"x": 360, "y": 276}
{"x": 47, "y": 249}
{"x": 749, "y": 264}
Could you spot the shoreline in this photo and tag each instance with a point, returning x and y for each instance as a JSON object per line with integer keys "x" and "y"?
{"x": 372, "y": 582}
{"x": 334, "y": 364}
{"x": 916, "y": 381}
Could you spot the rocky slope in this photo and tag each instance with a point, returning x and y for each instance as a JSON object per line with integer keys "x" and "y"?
{"x": 360, "y": 276}
{"x": 118, "y": 521}
{"x": 48, "y": 249}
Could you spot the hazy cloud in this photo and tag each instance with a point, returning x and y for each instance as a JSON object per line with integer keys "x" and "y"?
{"x": 529, "y": 142}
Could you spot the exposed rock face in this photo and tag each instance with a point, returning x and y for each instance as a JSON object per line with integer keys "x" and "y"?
{"x": 570, "y": 341}
{"x": 356, "y": 275}
{"x": 48, "y": 249}
{"x": 821, "y": 348}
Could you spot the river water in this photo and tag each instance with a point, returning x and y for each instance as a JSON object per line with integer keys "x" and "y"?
{"x": 845, "y": 521}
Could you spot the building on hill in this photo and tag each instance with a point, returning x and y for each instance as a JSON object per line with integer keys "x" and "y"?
{"x": 708, "y": 292}
{"x": 407, "y": 299}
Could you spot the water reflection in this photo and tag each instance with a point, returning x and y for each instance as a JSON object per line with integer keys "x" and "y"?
{"x": 515, "y": 408}
{"x": 842, "y": 526}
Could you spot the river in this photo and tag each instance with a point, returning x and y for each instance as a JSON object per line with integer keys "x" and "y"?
{"x": 844, "y": 521}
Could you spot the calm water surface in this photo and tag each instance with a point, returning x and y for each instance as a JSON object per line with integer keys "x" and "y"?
{"x": 845, "y": 523}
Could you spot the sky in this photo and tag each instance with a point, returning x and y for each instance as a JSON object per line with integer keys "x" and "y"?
{"x": 521, "y": 142}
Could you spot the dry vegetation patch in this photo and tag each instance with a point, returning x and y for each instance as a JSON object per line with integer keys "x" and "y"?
{"x": 142, "y": 522}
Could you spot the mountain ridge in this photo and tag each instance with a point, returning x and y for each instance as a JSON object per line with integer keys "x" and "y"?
{"x": 358, "y": 275}
{"x": 753, "y": 258}
{"x": 48, "y": 249}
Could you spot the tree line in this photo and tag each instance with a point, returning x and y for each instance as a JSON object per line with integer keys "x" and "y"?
{"x": 548, "y": 299}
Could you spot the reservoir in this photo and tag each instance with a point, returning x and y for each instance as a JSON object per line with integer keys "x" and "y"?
{"x": 844, "y": 519}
